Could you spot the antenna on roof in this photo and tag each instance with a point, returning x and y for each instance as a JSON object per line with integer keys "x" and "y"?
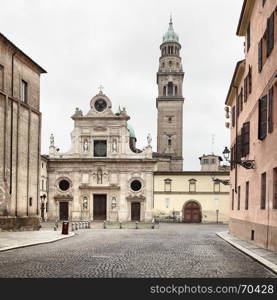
{"x": 213, "y": 140}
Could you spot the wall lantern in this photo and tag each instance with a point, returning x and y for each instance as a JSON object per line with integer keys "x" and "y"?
{"x": 247, "y": 164}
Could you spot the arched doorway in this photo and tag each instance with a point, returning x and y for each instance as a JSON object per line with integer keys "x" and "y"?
{"x": 192, "y": 212}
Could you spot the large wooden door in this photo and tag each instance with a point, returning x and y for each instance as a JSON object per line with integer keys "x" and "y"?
{"x": 192, "y": 213}
{"x": 63, "y": 210}
{"x": 135, "y": 211}
{"x": 99, "y": 207}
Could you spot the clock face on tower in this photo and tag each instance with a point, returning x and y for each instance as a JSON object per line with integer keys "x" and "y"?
{"x": 100, "y": 105}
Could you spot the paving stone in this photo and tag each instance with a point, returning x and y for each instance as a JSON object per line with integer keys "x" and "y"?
{"x": 173, "y": 250}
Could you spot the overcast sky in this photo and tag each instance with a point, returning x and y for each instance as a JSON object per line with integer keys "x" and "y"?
{"x": 85, "y": 43}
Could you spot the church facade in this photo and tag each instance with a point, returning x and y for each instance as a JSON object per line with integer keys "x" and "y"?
{"x": 103, "y": 176}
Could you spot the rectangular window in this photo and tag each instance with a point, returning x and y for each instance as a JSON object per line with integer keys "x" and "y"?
{"x": 30, "y": 201}
{"x": 275, "y": 188}
{"x": 1, "y": 78}
{"x": 192, "y": 186}
{"x": 216, "y": 187}
{"x": 167, "y": 185}
{"x": 100, "y": 148}
{"x": 270, "y": 110}
{"x": 260, "y": 56}
{"x": 24, "y": 91}
{"x": 233, "y": 195}
{"x": 262, "y": 121}
{"x": 239, "y": 198}
{"x": 270, "y": 34}
{"x": 245, "y": 134}
{"x": 247, "y": 195}
{"x": 248, "y": 37}
{"x": 263, "y": 190}
{"x": 233, "y": 116}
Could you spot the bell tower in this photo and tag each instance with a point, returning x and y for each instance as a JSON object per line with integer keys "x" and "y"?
{"x": 170, "y": 99}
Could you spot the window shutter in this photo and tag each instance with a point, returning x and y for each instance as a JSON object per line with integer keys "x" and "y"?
{"x": 238, "y": 105}
{"x": 232, "y": 157}
{"x": 270, "y": 110}
{"x": 262, "y": 131}
{"x": 235, "y": 155}
{"x": 238, "y": 152}
{"x": 260, "y": 55}
{"x": 233, "y": 115}
{"x": 270, "y": 35}
{"x": 245, "y": 88}
{"x": 250, "y": 80}
{"x": 248, "y": 37}
{"x": 245, "y": 138}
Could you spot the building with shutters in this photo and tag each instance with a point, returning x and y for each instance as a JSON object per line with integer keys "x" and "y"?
{"x": 252, "y": 99}
{"x": 20, "y": 133}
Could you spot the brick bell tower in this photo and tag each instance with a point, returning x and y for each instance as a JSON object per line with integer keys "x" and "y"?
{"x": 170, "y": 100}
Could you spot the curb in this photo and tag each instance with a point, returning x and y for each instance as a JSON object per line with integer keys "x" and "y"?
{"x": 269, "y": 265}
{"x": 36, "y": 243}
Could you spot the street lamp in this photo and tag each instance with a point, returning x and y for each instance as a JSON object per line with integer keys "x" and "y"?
{"x": 247, "y": 164}
{"x": 223, "y": 181}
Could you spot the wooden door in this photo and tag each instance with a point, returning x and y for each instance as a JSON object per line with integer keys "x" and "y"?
{"x": 135, "y": 211}
{"x": 99, "y": 207}
{"x": 192, "y": 213}
{"x": 63, "y": 210}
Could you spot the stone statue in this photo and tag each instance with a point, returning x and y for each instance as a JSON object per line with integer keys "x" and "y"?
{"x": 85, "y": 145}
{"x": 114, "y": 146}
{"x": 99, "y": 176}
{"x": 149, "y": 139}
{"x": 78, "y": 112}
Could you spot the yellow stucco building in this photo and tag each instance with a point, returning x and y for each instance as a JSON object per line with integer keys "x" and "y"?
{"x": 193, "y": 196}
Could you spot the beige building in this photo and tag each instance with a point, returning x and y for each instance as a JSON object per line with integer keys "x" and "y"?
{"x": 193, "y": 196}
{"x": 252, "y": 99}
{"x": 103, "y": 176}
{"x": 20, "y": 127}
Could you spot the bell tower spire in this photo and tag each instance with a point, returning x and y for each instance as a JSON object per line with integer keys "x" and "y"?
{"x": 170, "y": 99}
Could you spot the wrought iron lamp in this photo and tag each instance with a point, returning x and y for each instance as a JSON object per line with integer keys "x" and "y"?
{"x": 247, "y": 164}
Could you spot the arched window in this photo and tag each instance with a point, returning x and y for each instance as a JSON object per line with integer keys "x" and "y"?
{"x": 164, "y": 91}
{"x": 170, "y": 89}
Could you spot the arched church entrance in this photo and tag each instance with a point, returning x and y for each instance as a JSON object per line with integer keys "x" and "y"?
{"x": 192, "y": 212}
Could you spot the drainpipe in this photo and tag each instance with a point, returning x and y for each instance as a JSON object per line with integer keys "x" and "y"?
{"x": 236, "y": 124}
{"x": 11, "y": 137}
{"x": 267, "y": 227}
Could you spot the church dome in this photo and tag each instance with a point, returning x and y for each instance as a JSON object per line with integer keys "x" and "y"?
{"x": 170, "y": 35}
{"x": 131, "y": 130}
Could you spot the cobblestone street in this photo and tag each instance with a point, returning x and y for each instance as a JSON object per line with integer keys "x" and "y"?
{"x": 173, "y": 250}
